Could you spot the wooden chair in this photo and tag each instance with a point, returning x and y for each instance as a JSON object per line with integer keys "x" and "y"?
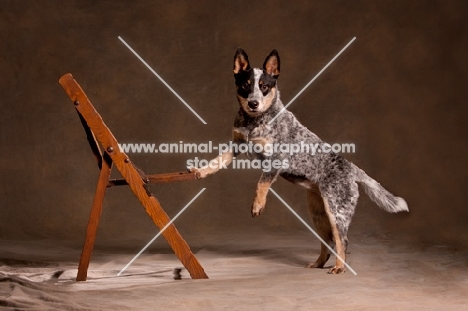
{"x": 98, "y": 134}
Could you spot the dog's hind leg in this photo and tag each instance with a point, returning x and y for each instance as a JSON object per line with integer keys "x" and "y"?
{"x": 339, "y": 231}
{"x": 321, "y": 224}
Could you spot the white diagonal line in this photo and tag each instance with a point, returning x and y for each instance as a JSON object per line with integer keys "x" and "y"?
{"x": 162, "y": 80}
{"x": 160, "y": 232}
{"x": 312, "y": 230}
{"x": 313, "y": 79}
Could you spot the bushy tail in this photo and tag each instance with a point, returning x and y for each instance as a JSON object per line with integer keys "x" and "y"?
{"x": 384, "y": 199}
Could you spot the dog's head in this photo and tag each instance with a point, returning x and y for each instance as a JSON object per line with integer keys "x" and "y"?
{"x": 256, "y": 88}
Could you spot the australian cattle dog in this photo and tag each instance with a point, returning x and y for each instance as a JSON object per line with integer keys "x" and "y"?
{"x": 331, "y": 181}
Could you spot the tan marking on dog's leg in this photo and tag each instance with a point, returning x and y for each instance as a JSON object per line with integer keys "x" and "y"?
{"x": 321, "y": 224}
{"x": 340, "y": 248}
{"x": 260, "y": 198}
{"x": 215, "y": 165}
{"x": 240, "y": 135}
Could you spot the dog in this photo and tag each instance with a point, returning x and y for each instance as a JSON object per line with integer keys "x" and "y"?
{"x": 331, "y": 181}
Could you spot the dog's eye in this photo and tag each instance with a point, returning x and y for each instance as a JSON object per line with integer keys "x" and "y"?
{"x": 246, "y": 86}
{"x": 264, "y": 87}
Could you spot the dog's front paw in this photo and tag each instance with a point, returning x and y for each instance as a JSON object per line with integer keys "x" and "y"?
{"x": 199, "y": 172}
{"x": 257, "y": 209}
{"x": 336, "y": 270}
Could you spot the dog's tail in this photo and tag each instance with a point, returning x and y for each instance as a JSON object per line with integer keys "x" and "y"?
{"x": 384, "y": 199}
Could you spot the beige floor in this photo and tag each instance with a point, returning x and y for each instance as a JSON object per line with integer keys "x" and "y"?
{"x": 247, "y": 272}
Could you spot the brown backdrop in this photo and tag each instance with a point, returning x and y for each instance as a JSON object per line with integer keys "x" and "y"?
{"x": 398, "y": 92}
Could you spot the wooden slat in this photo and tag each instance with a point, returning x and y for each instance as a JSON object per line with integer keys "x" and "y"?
{"x": 158, "y": 178}
{"x": 133, "y": 178}
{"x": 171, "y": 177}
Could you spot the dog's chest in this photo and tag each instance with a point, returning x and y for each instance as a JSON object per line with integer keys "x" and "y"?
{"x": 257, "y": 138}
{"x": 263, "y": 131}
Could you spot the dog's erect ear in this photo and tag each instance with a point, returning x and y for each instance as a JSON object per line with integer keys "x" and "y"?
{"x": 272, "y": 64}
{"x": 241, "y": 61}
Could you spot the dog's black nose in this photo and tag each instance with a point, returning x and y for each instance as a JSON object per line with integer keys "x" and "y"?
{"x": 253, "y": 104}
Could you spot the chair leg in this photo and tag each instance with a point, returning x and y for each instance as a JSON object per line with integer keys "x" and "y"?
{"x": 93, "y": 222}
